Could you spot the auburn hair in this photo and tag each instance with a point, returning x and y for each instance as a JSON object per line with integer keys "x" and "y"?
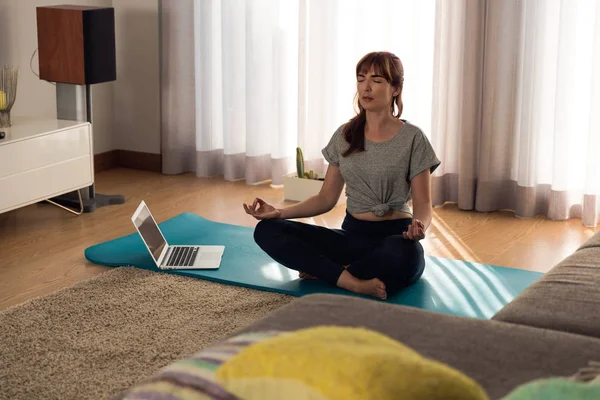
{"x": 390, "y": 67}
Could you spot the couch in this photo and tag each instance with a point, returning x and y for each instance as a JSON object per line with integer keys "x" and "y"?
{"x": 552, "y": 329}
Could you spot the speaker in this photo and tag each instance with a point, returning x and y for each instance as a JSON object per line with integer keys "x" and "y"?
{"x": 76, "y": 44}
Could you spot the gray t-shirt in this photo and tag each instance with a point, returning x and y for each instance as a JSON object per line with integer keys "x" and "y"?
{"x": 378, "y": 179}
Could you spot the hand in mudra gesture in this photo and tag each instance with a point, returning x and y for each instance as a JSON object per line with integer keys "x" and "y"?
{"x": 260, "y": 209}
{"x": 415, "y": 231}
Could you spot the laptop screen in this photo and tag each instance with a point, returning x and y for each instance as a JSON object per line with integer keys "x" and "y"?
{"x": 150, "y": 232}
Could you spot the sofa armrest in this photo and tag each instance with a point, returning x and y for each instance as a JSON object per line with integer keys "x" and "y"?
{"x": 567, "y": 298}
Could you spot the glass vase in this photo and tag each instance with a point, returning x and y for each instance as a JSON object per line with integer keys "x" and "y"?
{"x": 8, "y": 93}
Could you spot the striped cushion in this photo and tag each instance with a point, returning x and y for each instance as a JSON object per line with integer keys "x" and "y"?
{"x": 194, "y": 378}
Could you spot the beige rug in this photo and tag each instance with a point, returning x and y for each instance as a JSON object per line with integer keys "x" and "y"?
{"x": 101, "y": 336}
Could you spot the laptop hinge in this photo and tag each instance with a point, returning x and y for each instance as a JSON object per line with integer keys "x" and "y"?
{"x": 163, "y": 255}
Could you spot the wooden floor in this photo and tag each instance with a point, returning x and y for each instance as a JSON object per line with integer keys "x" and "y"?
{"x": 42, "y": 245}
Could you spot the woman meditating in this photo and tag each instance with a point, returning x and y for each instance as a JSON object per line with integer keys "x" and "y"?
{"x": 385, "y": 162}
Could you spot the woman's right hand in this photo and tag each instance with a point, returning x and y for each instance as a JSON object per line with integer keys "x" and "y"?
{"x": 264, "y": 210}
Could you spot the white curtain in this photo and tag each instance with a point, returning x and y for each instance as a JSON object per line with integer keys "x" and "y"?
{"x": 271, "y": 75}
{"x": 507, "y": 91}
{"x": 517, "y": 89}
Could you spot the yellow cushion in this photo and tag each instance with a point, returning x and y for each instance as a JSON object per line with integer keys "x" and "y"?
{"x": 341, "y": 363}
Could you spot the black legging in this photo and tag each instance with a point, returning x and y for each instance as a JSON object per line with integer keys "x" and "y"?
{"x": 372, "y": 249}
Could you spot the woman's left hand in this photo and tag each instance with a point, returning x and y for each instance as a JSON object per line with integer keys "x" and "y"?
{"x": 415, "y": 231}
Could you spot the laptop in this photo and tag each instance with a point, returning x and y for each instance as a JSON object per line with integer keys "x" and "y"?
{"x": 167, "y": 256}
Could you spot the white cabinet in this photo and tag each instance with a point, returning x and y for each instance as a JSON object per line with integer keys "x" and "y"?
{"x": 42, "y": 158}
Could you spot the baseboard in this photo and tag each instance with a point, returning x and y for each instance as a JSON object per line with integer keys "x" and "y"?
{"x": 105, "y": 161}
{"x": 128, "y": 159}
{"x": 138, "y": 160}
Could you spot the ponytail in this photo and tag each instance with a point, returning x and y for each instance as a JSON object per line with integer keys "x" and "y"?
{"x": 398, "y": 102}
{"x": 354, "y": 133}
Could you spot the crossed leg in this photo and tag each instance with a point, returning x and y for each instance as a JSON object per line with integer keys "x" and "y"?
{"x": 318, "y": 252}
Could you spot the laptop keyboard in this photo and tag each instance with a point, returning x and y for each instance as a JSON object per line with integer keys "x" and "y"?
{"x": 182, "y": 256}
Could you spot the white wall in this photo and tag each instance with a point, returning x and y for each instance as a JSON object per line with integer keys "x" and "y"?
{"x": 127, "y": 111}
{"x": 35, "y": 97}
{"x": 137, "y": 90}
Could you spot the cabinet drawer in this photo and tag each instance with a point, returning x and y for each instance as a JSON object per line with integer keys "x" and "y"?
{"x": 42, "y": 151}
{"x": 40, "y": 184}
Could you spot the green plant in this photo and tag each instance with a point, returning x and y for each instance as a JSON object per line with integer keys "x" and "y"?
{"x": 300, "y": 166}
{"x": 299, "y": 163}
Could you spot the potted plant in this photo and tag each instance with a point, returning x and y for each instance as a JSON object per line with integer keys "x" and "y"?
{"x": 301, "y": 184}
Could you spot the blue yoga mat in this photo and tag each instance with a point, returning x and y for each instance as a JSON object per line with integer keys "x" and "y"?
{"x": 448, "y": 286}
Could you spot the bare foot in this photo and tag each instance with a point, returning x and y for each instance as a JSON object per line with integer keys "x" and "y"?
{"x": 372, "y": 287}
{"x": 304, "y": 275}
